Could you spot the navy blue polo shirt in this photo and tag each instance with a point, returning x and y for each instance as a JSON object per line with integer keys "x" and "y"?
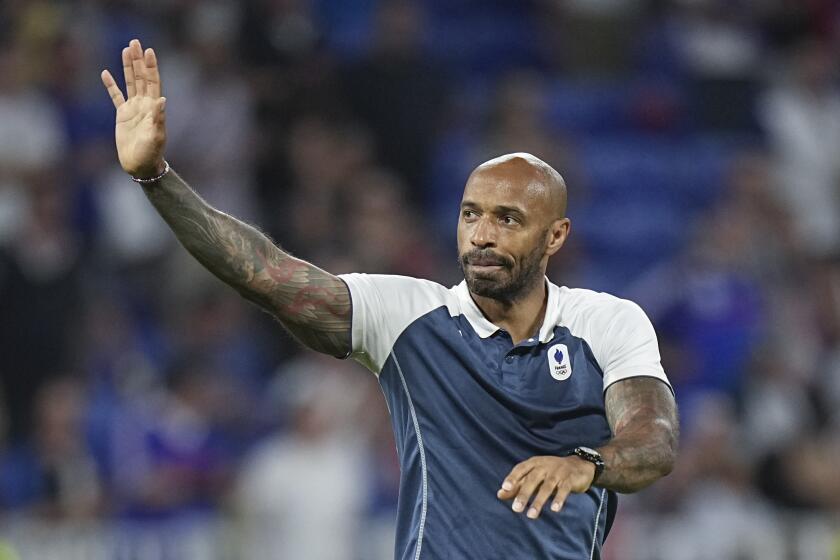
{"x": 467, "y": 405}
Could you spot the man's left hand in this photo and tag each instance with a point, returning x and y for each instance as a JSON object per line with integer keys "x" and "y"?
{"x": 547, "y": 476}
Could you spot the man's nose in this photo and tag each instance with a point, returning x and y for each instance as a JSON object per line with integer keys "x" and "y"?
{"x": 483, "y": 234}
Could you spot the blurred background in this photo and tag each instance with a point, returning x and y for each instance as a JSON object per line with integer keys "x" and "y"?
{"x": 146, "y": 412}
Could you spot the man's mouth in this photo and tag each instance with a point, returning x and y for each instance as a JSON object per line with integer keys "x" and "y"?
{"x": 486, "y": 262}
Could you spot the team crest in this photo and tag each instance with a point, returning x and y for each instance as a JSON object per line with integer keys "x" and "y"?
{"x": 559, "y": 363}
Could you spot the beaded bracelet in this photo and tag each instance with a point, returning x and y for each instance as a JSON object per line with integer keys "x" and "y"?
{"x": 153, "y": 179}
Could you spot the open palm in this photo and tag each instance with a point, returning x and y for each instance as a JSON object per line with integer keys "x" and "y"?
{"x": 141, "y": 124}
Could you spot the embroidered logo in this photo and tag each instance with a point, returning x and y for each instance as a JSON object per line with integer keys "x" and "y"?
{"x": 559, "y": 364}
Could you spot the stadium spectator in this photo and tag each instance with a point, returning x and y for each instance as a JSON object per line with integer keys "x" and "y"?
{"x": 801, "y": 113}
{"x": 400, "y": 91}
{"x": 31, "y": 137}
{"x": 170, "y": 458}
{"x": 40, "y": 296}
{"x": 299, "y": 486}
{"x": 54, "y": 475}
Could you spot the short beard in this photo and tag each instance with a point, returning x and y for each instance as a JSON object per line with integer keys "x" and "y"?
{"x": 516, "y": 287}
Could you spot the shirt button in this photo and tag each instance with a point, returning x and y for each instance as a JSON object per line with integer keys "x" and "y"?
{"x": 509, "y": 359}
{"x": 530, "y": 340}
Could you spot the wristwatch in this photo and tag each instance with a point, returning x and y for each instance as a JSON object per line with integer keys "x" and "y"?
{"x": 589, "y": 454}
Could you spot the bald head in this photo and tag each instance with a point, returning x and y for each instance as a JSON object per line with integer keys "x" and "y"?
{"x": 513, "y": 219}
{"x": 542, "y": 180}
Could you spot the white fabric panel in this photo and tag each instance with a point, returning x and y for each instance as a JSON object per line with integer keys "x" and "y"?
{"x": 383, "y": 306}
{"x": 619, "y": 333}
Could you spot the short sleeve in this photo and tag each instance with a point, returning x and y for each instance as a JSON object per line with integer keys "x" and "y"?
{"x": 628, "y": 345}
{"x": 383, "y": 307}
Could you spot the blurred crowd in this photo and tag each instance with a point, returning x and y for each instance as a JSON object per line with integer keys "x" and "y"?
{"x": 699, "y": 140}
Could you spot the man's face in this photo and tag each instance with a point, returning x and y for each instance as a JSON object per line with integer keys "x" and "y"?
{"x": 503, "y": 234}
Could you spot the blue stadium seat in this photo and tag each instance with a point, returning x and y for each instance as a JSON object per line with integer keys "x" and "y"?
{"x": 588, "y": 108}
{"x": 645, "y": 195}
{"x": 481, "y": 38}
{"x": 604, "y": 107}
{"x": 347, "y": 26}
{"x": 686, "y": 173}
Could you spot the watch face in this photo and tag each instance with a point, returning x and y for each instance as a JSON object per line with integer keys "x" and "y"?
{"x": 590, "y": 451}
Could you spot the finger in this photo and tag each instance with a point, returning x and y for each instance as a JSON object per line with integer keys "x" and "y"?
{"x": 560, "y": 498}
{"x": 527, "y": 488}
{"x": 128, "y": 70}
{"x": 113, "y": 89}
{"x": 139, "y": 68}
{"x": 136, "y": 48}
{"x": 547, "y": 488}
{"x": 152, "y": 74}
{"x": 511, "y": 481}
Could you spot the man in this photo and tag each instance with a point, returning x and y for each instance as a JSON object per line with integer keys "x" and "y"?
{"x": 557, "y": 395}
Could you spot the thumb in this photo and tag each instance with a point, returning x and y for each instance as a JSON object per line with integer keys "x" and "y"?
{"x": 160, "y": 111}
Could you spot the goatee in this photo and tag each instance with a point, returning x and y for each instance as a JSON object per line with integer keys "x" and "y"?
{"x": 506, "y": 285}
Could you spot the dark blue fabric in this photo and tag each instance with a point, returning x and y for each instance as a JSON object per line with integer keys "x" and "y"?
{"x": 482, "y": 406}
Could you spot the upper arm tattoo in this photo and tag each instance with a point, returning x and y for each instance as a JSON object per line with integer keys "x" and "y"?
{"x": 311, "y": 303}
{"x": 646, "y": 397}
{"x": 643, "y": 417}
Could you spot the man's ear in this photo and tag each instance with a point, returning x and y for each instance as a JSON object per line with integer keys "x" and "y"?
{"x": 557, "y": 234}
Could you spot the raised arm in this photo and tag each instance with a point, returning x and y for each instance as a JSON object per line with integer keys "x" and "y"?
{"x": 643, "y": 417}
{"x": 311, "y": 303}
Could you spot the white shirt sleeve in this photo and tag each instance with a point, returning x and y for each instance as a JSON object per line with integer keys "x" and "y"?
{"x": 383, "y": 306}
{"x": 628, "y": 345}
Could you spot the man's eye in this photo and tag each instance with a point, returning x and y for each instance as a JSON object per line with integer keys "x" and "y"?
{"x": 469, "y": 214}
{"x": 509, "y": 220}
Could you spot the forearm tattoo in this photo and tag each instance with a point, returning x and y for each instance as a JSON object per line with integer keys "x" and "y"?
{"x": 311, "y": 303}
{"x": 643, "y": 417}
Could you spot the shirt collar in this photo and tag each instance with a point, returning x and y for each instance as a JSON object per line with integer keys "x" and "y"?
{"x": 485, "y": 328}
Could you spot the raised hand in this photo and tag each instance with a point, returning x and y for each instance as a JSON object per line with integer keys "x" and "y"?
{"x": 141, "y": 124}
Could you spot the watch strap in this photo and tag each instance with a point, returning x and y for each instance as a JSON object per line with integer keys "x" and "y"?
{"x": 589, "y": 454}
